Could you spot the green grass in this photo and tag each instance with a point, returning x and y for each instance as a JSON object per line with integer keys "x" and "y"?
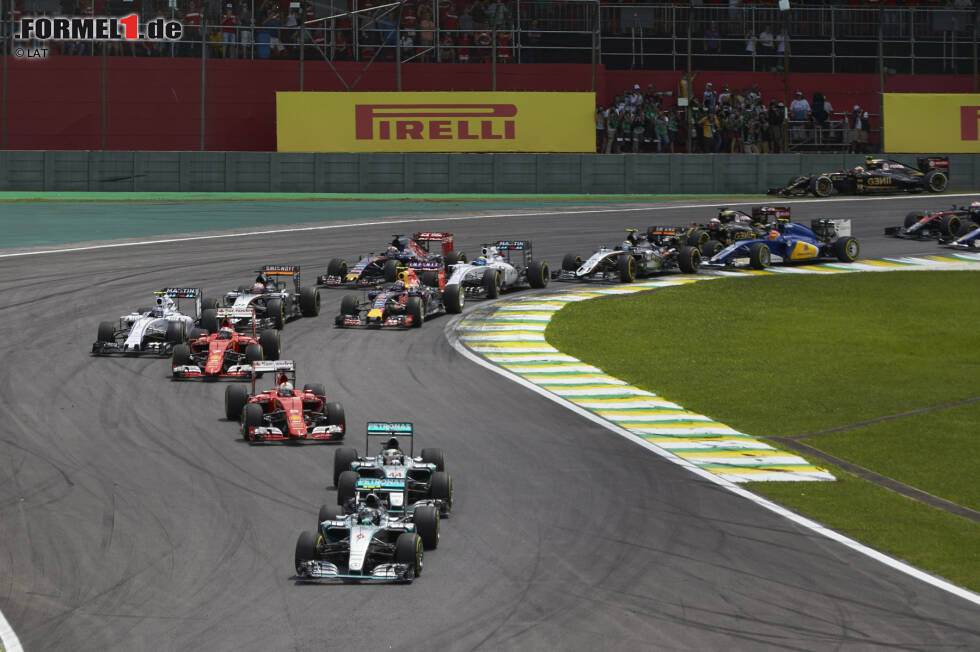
{"x": 788, "y": 355}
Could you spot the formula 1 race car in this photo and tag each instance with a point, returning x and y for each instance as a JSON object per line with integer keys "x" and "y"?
{"x": 406, "y": 303}
{"x": 968, "y": 237}
{"x": 272, "y": 298}
{"x": 227, "y": 353}
{"x": 383, "y": 267}
{"x": 284, "y": 413}
{"x": 150, "y": 331}
{"x": 636, "y": 256}
{"x": 502, "y": 265}
{"x": 733, "y": 224}
{"x": 941, "y": 224}
{"x": 877, "y": 176}
{"x": 792, "y": 242}
{"x": 422, "y": 478}
{"x": 367, "y": 542}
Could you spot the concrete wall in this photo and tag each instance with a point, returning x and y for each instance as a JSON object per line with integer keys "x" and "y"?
{"x": 427, "y": 173}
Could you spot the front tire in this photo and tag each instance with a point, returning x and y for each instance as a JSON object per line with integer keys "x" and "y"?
{"x": 698, "y": 237}
{"x": 309, "y": 301}
{"x": 710, "y": 248}
{"x": 348, "y": 305}
{"x": 453, "y": 298}
{"x": 626, "y": 265}
{"x": 209, "y": 320}
{"x": 253, "y": 353}
{"x": 342, "y": 459}
{"x": 305, "y": 549}
{"x": 390, "y": 270}
{"x": 329, "y": 513}
{"x": 337, "y": 267}
{"x": 689, "y": 260}
{"x": 107, "y": 331}
{"x": 346, "y": 486}
{"x": 414, "y": 308}
{"x": 269, "y": 341}
{"x": 434, "y": 456}
{"x": 236, "y": 396}
{"x": 275, "y": 311}
{"x": 847, "y": 250}
{"x": 251, "y": 418}
{"x": 175, "y": 332}
{"x": 491, "y": 283}
{"x": 335, "y": 415}
{"x": 950, "y": 225}
{"x": 538, "y": 274}
{"x": 441, "y": 488}
{"x": 316, "y": 388}
{"x": 570, "y": 262}
{"x": 912, "y": 218}
{"x": 759, "y": 255}
{"x": 408, "y": 551}
{"x": 181, "y": 356}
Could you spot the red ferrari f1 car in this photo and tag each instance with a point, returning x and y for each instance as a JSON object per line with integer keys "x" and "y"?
{"x": 284, "y": 413}
{"x": 226, "y": 353}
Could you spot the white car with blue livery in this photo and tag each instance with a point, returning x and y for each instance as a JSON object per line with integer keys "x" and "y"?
{"x": 153, "y": 331}
{"x": 502, "y": 265}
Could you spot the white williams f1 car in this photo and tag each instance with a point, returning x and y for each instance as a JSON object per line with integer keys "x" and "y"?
{"x": 503, "y": 265}
{"x": 154, "y": 331}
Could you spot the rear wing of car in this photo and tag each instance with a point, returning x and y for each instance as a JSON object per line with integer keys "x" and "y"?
{"x": 398, "y": 429}
{"x": 506, "y": 247}
{"x": 927, "y": 163}
{"x": 284, "y": 271}
{"x": 771, "y": 213}
{"x": 278, "y": 367}
{"x": 425, "y": 237}
{"x": 237, "y": 313}
{"x": 393, "y": 491}
{"x": 658, "y": 234}
{"x": 184, "y": 294}
{"x": 823, "y": 227}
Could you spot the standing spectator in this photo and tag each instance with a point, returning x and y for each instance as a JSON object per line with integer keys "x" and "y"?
{"x": 463, "y": 51}
{"x": 228, "y": 23}
{"x": 532, "y": 38}
{"x": 753, "y": 136}
{"x": 479, "y": 13}
{"x": 707, "y": 127}
{"x": 775, "y": 118}
{"x": 613, "y": 118}
{"x": 750, "y": 47}
{"x": 724, "y": 97}
{"x": 449, "y": 21}
{"x": 466, "y": 18}
{"x": 600, "y": 128}
{"x": 499, "y": 14}
{"x": 861, "y": 128}
{"x": 192, "y": 30}
{"x": 766, "y": 48}
{"x": 504, "y": 47}
{"x": 662, "y": 131}
{"x": 782, "y": 47}
{"x": 799, "y": 108}
{"x": 708, "y": 99}
{"x": 483, "y": 42}
{"x": 426, "y": 31}
{"x": 673, "y": 129}
{"x": 735, "y": 126}
{"x": 246, "y": 23}
{"x": 447, "y": 54}
{"x": 712, "y": 39}
{"x": 638, "y": 129}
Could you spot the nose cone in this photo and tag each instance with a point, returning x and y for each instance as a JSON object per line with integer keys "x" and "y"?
{"x": 374, "y": 313}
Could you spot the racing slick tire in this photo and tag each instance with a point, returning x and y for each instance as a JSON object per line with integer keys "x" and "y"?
{"x": 348, "y": 305}
{"x": 209, "y": 320}
{"x": 451, "y": 259}
{"x": 329, "y": 513}
{"x": 689, "y": 260}
{"x": 175, "y": 332}
{"x": 253, "y": 353}
{"x": 950, "y": 225}
{"x": 570, "y": 262}
{"x": 390, "y": 270}
{"x": 335, "y": 415}
{"x": 196, "y": 334}
{"x": 435, "y": 456}
{"x": 346, "y": 486}
{"x": 210, "y": 302}
{"x": 309, "y": 301}
{"x": 429, "y": 279}
{"x": 491, "y": 283}
{"x": 107, "y": 331}
{"x": 847, "y": 249}
{"x": 316, "y": 388}
{"x": 760, "y": 257}
{"x": 269, "y": 341}
{"x": 698, "y": 237}
{"x": 408, "y": 551}
{"x": 251, "y": 418}
{"x": 337, "y": 267}
{"x": 966, "y": 227}
{"x": 305, "y": 549}
{"x": 181, "y": 356}
{"x": 538, "y": 274}
{"x": 821, "y": 186}
{"x": 936, "y": 181}
{"x": 912, "y": 218}
{"x": 274, "y": 310}
{"x": 626, "y": 265}
{"x": 453, "y": 298}
{"x": 710, "y": 248}
{"x": 441, "y": 488}
{"x": 426, "y": 519}
{"x": 236, "y": 396}
{"x": 414, "y": 308}
{"x": 343, "y": 457}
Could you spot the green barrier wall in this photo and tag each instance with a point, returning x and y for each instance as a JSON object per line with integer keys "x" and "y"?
{"x": 428, "y": 173}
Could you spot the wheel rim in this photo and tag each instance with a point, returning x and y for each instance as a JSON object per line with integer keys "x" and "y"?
{"x": 938, "y": 182}
{"x": 823, "y": 186}
{"x": 852, "y": 249}
{"x": 764, "y": 257}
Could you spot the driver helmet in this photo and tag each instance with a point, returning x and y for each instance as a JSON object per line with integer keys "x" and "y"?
{"x": 975, "y": 207}
{"x": 369, "y": 512}
{"x": 392, "y": 456}
{"x": 258, "y": 287}
{"x": 480, "y": 261}
{"x": 714, "y": 223}
{"x": 226, "y": 333}
{"x": 398, "y": 285}
{"x": 393, "y": 251}
{"x": 285, "y": 388}
{"x": 160, "y": 309}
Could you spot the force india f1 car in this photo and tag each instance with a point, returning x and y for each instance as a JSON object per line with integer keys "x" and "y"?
{"x": 402, "y": 251}
{"x": 366, "y": 542}
{"x": 227, "y": 353}
{"x": 406, "y": 303}
{"x": 502, "y": 265}
{"x": 878, "y": 176}
{"x": 636, "y": 256}
{"x": 272, "y": 298}
{"x": 422, "y": 478}
{"x": 944, "y": 225}
{"x": 154, "y": 331}
{"x": 284, "y": 413}
{"x": 792, "y": 242}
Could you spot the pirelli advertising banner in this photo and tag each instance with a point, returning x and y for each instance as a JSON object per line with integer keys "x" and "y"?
{"x": 435, "y": 122}
{"x": 932, "y": 122}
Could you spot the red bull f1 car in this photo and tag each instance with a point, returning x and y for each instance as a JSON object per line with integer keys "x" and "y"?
{"x": 227, "y": 353}
{"x": 876, "y": 176}
{"x": 406, "y": 303}
{"x": 284, "y": 413}
{"x": 413, "y": 252}
{"x": 944, "y": 225}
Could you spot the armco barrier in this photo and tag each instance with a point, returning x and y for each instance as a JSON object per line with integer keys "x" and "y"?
{"x": 428, "y": 173}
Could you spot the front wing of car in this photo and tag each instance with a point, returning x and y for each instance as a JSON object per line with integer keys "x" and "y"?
{"x": 322, "y": 570}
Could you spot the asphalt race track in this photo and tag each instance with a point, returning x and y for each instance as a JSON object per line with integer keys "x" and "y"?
{"x": 134, "y": 517}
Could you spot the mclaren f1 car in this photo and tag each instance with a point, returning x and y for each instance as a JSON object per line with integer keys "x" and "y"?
{"x": 944, "y": 225}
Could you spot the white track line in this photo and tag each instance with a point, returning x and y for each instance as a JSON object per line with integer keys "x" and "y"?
{"x": 324, "y": 227}
{"x": 8, "y": 639}
{"x": 938, "y": 582}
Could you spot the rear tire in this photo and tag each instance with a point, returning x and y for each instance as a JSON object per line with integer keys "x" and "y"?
{"x": 348, "y": 305}
{"x": 253, "y": 353}
{"x": 950, "y": 225}
{"x": 626, "y": 265}
{"x": 196, "y": 334}
{"x": 335, "y": 415}
{"x": 847, "y": 249}
{"x": 269, "y": 341}
{"x": 107, "y": 331}
{"x": 305, "y": 549}
{"x": 491, "y": 283}
{"x": 441, "y": 488}
{"x": 689, "y": 260}
{"x": 538, "y": 274}
{"x": 710, "y": 248}
{"x": 429, "y": 279}
{"x": 309, "y": 301}
{"x": 210, "y": 302}
{"x": 175, "y": 332}
{"x": 698, "y": 237}
{"x": 912, "y": 218}
{"x": 760, "y": 257}
{"x": 966, "y": 227}
{"x": 821, "y": 186}
{"x": 182, "y": 355}
{"x": 426, "y": 519}
{"x": 251, "y": 418}
{"x": 346, "y": 486}
{"x": 408, "y": 551}
{"x": 452, "y": 298}
{"x": 316, "y": 388}
{"x": 209, "y": 320}
{"x": 342, "y": 459}
{"x": 337, "y": 267}
{"x": 414, "y": 308}
{"x": 329, "y": 513}
{"x": 936, "y": 181}
{"x": 434, "y": 456}
{"x": 236, "y": 396}
{"x": 390, "y": 270}
{"x": 570, "y": 262}
{"x": 275, "y": 312}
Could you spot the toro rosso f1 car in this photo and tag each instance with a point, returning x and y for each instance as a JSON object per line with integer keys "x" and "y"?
{"x": 636, "y": 256}
{"x": 150, "y": 331}
{"x": 877, "y": 176}
{"x": 402, "y": 251}
{"x": 276, "y": 296}
{"x": 792, "y": 242}
{"x": 502, "y": 265}
{"x": 422, "y": 478}
{"x": 406, "y": 303}
{"x": 227, "y": 353}
{"x": 943, "y": 225}
{"x": 366, "y": 542}
{"x": 284, "y": 413}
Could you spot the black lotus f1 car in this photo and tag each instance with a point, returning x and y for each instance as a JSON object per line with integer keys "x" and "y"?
{"x": 877, "y": 176}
